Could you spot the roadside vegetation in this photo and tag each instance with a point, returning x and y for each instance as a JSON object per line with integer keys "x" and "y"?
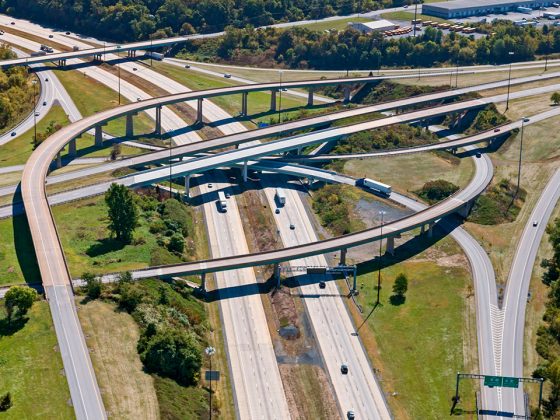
{"x": 334, "y": 205}
{"x": 164, "y": 234}
{"x": 169, "y": 336}
{"x": 498, "y": 204}
{"x": 31, "y": 370}
{"x": 17, "y": 255}
{"x": 486, "y": 119}
{"x": 438, "y": 190}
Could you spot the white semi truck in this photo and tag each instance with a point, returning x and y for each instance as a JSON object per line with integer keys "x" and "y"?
{"x": 222, "y": 202}
{"x": 374, "y": 185}
{"x": 280, "y": 196}
{"x": 155, "y": 55}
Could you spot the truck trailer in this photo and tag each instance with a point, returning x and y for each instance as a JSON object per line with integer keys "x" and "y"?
{"x": 222, "y": 202}
{"x": 376, "y": 186}
{"x": 280, "y": 196}
{"x": 155, "y": 55}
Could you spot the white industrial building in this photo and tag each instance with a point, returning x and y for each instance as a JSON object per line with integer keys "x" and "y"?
{"x": 381, "y": 25}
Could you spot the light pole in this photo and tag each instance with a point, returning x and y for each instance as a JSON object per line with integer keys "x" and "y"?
{"x": 280, "y": 101}
{"x": 509, "y": 82}
{"x": 415, "y": 16}
{"x": 523, "y": 121}
{"x": 382, "y": 214}
{"x": 210, "y": 352}
{"x": 35, "y": 110}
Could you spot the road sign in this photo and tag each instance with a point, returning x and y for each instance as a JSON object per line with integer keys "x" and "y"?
{"x": 212, "y": 375}
{"x": 508, "y": 382}
{"x": 492, "y": 381}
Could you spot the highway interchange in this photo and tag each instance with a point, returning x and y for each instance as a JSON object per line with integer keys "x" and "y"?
{"x": 249, "y": 383}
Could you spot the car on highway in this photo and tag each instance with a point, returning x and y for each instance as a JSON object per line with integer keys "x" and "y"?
{"x": 344, "y": 369}
{"x": 350, "y": 414}
{"x": 478, "y": 154}
{"x": 44, "y": 103}
{"x": 277, "y": 211}
{"x": 51, "y": 36}
{"x": 46, "y": 79}
{"x": 36, "y": 114}
{"x": 210, "y": 185}
{"x": 187, "y": 66}
{"x": 535, "y": 223}
{"x": 292, "y": 226}
{"x": 12, "y": 23}
{"x": 13, "y": 133}
{"x": 228, "y": 195}
{"x": 67, "y": 32}
{"x": 1, "y": 32}
{"x": 322, "y": 285}
{"x": 496, "y": 130}
{"x": 227, "y": 76}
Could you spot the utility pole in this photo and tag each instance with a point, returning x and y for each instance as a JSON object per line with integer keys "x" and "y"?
{"x": 509, "y": 82}
{"x": 523, "y": 121}
{"x": 415, "y": 17}
{"x": 170, "y": 166}
{"x": 382, "y": 214}
{"x": 280, "y": 101}
{"x": 210, "y": 352}
{"x": 35, "y": 111}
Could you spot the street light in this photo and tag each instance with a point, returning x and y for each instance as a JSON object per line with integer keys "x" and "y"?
{"x": 119, "y": 72}
{"x": 382, "y": 214}
{"x": 523, "y": 121}
{"x": 34, "y": 81}
{"x": 415, "y": 16}
{"x": 210, "y": 351}
{"x": 509, "y": 81}
{"x": 280, "y": 102}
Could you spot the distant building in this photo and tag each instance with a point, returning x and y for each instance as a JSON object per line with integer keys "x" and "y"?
{"x": 465, "y": 8}
{"x": 373, "y": 26}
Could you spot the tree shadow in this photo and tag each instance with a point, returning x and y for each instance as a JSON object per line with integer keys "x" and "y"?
{"x": 10, "y": 328}
{"x": 104, "y": 246}
{"x": 397, "y": 300}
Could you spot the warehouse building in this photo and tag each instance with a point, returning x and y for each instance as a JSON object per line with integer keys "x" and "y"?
{"x": 381, "y": 25}
{"x": 464, "y": 8}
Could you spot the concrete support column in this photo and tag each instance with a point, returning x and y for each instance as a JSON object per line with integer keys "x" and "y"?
{"x": 98, "y": 135}
{"x": 158, "y": 121}
{"x": 58, "y": 161}
{"x": 465, "y": 210}
{"x": 277, "y": 274}
{"x": 422, "y": 229}
{"x": 390, "y": 249}
{"x": 273, "y": 100}
{"x": 203, "y": 282}
{"x": 129, "y": 125}
{"x": 245, "y": 171}
{"x": 346, "y": 94}
{"x": 299, "y": 150}
{"x": 72, "y": 148}
{"x": 343, "y": 256}
{"x": 199, "y": 112}
{"x": 310, "y": 97}
{"x": 187, "y": 185}
{"x": 244, "y": 101}
{"x": 430, "y": 229}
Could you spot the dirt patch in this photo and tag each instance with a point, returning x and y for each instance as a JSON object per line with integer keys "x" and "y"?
{"x": 47, "y": 41}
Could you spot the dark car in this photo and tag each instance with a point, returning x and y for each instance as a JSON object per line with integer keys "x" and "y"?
{"x": 67, "y": 32}
{"x": 44, "y": 103}
{"x": 344, "y": 369}
{"x": 496, "y": 130}
{"x": 322, "y": 285}
{"x": 478, "y": 154}
{"x": 51, "y": 36}
{"x": 350, "y": 414}
{"x": 13, "y": 133}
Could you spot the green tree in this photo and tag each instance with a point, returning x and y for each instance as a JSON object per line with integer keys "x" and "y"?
{"x": 401, "y": 285}
{"x": 176, "y": 243}
{"x": 20, "y": 297}
{"x": 93, "y": 285}
{"x": 555, "y": 98}
{"x": 122, "y": 211}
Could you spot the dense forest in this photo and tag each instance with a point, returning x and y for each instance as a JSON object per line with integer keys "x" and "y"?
{"x": 299, "y": 47}
{"x": 128, "y": 20}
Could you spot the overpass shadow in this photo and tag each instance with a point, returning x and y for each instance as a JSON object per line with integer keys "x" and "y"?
{"x": 23, "y": 243}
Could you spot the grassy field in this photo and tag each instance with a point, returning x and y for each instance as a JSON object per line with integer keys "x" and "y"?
{"x": 419, "y": 170}
{"x": 112, "y": 335}
{"x": 31, "y": 369}
{"x": 258, "y": 104}
{"x": 409, "y": 16}
{"x": 91, "y": 96}
{"x": 334, "y": 25}
{"x": 17, "y": 257}
{"x": 434, "y": 324}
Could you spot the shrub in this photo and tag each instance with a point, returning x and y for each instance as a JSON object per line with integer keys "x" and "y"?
{"x": 5, "y": 402}
{"x": 434, "y": 191}
{"x": 176, "y": 243}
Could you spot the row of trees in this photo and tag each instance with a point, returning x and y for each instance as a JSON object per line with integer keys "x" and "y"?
{"x": 136, "y": 19}
{"x": 350, "y": 49}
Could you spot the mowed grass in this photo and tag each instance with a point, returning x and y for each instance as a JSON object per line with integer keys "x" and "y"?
{"x": 430, "y": 326}
{"x": 258, "y": 102}
{"x": 333, "y": 25}
{"x": 82, "y": 226}
{"x": 409, "y": 16}
{"x": 17, "y": 256}
{"x": 91, "y": 96}
{"x": 408, "y": 173}
{"x": 31, "y": 369}
{"x": 127, "y": 391}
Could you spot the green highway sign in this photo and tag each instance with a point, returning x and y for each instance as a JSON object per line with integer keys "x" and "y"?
{"x": 492, "y": 381}
{"x": 510, "y": 382}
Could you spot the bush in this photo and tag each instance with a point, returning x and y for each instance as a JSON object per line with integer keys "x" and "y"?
{"x": 171, "y": 353}
{"x": 5, "y": 402}
{"x": 93, "y": 285}
{"x": 497, "y": 205}
{"x": 177, "y": 215}
{"x": 434, "y": 191}
{"x": 176, "y": 243}
{"x": 20, "y": 297}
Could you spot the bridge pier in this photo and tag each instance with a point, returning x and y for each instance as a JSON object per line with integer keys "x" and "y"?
{"x": 245, "y": 171}
{"x": 72, "y": 148}
{"x": 346, "y": 94}
{"x": 129, "y": 125}
{"x": 157, "y": 130}
{"x": 390, "y": 249}
{"x": 98, "y": 136}
{"x": 61, "y": 62}
{"x": 465, "y": 210}
{"x": 58, "y": 161}
{"x": 187, "y": 185}
{"x": 273, "y": 100}
{"x": 343, "y": 256}
{"x": 422, "y": 229}
{"x": 310, "y": 97}
{"x": 430, "y": 229}
{"x": 131, "y": 53}
{"x": 276, "y": 274}
{"x": 244, "y": 101}
{"x": 199, "y": 112}
{"x": 203, "y": 282}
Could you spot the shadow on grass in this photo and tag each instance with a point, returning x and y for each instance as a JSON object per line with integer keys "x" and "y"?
{"x": 23, "y": 243}
{"x": 104, "y": 246}
{"x": 397, "y": 300}
{"x": 8, "y": 328}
